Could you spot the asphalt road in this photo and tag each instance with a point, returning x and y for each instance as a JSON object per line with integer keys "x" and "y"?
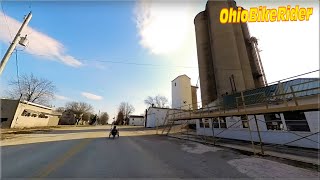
{"x": 133, "y": 156}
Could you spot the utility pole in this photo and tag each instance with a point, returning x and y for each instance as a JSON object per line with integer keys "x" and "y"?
{"x": 14, "y": 43}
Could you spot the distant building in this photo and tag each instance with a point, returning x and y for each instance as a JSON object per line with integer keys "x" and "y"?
{"x": 19, "y": 114}
{"x": 184, "y": 95}
{"x": 136, "y": 120}
{"x": 228, "y": 57}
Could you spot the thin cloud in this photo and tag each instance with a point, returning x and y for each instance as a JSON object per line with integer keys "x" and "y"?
{"x": 39, "y": 44}
{"x": 91, "y": 96}
{"x": 59, "y": 97}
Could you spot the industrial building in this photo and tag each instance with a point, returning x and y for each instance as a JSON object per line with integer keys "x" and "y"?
{"x": 20, "y": 114}
{"x": 284, "y": 113}
{"x": 228, "y": 57}
{"x": 291, "y": 119}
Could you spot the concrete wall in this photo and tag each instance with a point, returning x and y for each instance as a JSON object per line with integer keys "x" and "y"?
{"x": 8, "y": 109}
{"x": 53, "y": 121}
{"x": 20, "y": 120}
{"x": 268, "y": 136}
{"x": 181, "y": 92}
{"x": 205, "y": 59}
{"x": 136, "y": 121}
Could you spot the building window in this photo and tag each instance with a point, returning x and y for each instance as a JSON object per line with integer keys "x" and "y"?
{"x": 42, "y": 115}
{"x": 273, "y": 121}
{"x": 4, "y": 119}
{"x": 296, "y": 121}
{"x": 245, "y": 122}
{"x": 206, "y": 125}
{"x": 25, "y": 113}
{"x": 201, "y": 123}
{"x": 215, "y": 122}
{"x": 175, "y": 84}
{"x": 223, "y": 123}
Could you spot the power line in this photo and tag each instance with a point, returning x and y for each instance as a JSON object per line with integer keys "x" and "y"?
{"x": 121, "y": 62}
{"x": 17, "y": 68}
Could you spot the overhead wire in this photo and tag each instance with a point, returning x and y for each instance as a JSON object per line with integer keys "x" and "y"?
{"x": 17, "y": 71}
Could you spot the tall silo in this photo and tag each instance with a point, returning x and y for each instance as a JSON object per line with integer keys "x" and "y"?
{"x": 242, "y": 52}
{"x": 205, "y": 63}
{"x": 229, "y": 59}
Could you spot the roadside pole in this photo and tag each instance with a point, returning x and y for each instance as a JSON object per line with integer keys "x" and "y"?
{"x": 14, "y": 43}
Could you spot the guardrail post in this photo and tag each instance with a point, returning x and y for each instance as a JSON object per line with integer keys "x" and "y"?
{"x": 258, "y": 130}
{"x": 247, "y": 117}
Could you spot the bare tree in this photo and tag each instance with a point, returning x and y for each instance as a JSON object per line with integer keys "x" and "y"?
{"x": 157, "y": 101}
{"x": 32, "y": 89}
{"x": 126, "y": 110}
{"x": 79, "y": 108}
{"x": 120, "y": 118}
{"x": 103, "y": 119}
{"x": 60, "y": 109}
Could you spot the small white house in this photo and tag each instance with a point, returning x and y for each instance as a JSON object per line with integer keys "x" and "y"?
{"x": 136, "y": 120}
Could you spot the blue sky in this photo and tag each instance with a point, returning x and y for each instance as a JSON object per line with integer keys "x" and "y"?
{"x": 76, "y": 45}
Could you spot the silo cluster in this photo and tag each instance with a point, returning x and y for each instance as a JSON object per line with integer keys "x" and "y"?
{"x": 228, "y": 59}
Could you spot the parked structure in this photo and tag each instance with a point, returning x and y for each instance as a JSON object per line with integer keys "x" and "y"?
{"x": 183, "y": 94}
{"x": 19, "y": 114}
{"x": 135, "y": 120}
{"x": 228, "y": 57}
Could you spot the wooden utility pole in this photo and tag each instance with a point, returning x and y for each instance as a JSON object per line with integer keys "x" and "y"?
{"x": 14, "y": 43}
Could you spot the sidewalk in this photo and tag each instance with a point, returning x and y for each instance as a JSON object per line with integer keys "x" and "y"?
{"x": 302, "y": 155}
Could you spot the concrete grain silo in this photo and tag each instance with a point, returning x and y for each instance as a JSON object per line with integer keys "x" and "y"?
{"x": 205, "y": 63}
{"x": 233, "y": 65}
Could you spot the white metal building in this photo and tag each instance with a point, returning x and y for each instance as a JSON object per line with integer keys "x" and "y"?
{"x": 136, "y": 120}
{"x": 291, "y": 126}
{"x": 157, "y": 116}
{"x": 181, "y": 92}
{"x": 274, "y": 128}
